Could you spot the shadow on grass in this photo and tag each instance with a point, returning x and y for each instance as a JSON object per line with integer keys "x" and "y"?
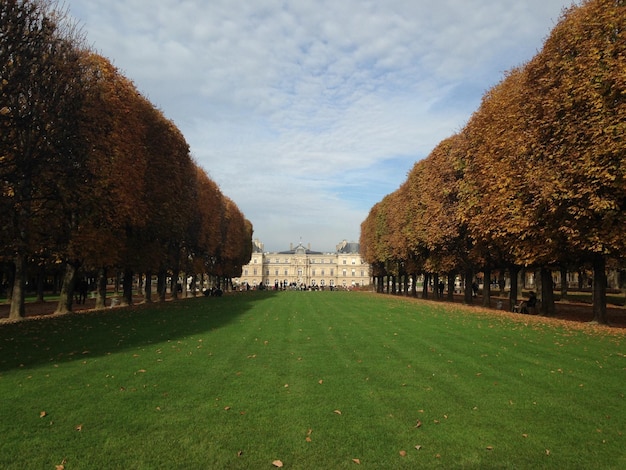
{"x": 96, "y": 333}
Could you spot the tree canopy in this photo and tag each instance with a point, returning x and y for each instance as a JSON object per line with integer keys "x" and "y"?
{"x": 536, "y": 177}
{"x": 92, "y": 174}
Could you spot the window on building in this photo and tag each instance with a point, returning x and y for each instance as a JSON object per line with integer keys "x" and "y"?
{"x": 313, "y": 273}
{"x": 353, "y": 272}
{"x": 276, "y": 272}
{"x": 267, "y": 273}
{"x": 353, "y": 261}
{"x": 344, "y": 273}
{"x": 255, "y": 271}
{"x": 286, "y": 272}
{"x": 332, "y": 272}
{"x": 345, "y": 261}
{"x": 245, "y": 272}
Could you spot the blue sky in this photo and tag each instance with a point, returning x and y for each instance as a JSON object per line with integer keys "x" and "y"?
{"x": 308, "y": 112}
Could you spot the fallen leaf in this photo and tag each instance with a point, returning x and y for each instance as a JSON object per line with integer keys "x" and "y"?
{"x": 547, "y": 451}
{"x": 356, "y": 461}
{"x": 142, "y": 371}
{"x": 489, "y": 447}
{"x": 320, "y": 382}
{"x": 524, "y": 435}
{"x": 42, "y": 414}
{"x": 403, "y": 453}
{"x": 78, "y": 427}
{"x": 308, "y": 439}
{"x": 418, "y": 447}
{"x": 337, "y": 412}
{"x": 226, "y": 408}
{"x": 277, "y": 463}
{"x": 418, "y": 424}
{"x": 240, "y": 453}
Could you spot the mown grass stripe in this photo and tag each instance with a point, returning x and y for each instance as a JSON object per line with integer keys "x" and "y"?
{"x": 314, "y": 379}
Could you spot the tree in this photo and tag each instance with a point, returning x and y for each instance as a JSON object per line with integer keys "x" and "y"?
{"x": 580, "y": 120}
{"x": 39, "y": 96}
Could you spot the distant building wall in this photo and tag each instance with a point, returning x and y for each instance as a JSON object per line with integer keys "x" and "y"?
{"x": 302, "y": 267}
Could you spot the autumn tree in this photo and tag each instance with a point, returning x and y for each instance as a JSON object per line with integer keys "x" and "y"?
{"x": 580, "y": 120}
{"x": 40, "y": 165}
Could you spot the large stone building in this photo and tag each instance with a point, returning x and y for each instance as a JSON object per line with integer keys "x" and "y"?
{"x": 301, "y": 267}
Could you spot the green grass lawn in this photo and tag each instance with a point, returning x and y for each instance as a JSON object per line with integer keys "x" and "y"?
{"x": 313, "y": 379}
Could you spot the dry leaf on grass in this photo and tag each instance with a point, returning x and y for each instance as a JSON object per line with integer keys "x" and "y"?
{"x": 403, "y": 453}
{"x": 42, "y": 414}
{"x": 418, "y": 424}
{"x": 277, "y": 463}
{"x": 356, "y": 461}
{"x": 337, "y": 412}
{"x": 78, "y": 427}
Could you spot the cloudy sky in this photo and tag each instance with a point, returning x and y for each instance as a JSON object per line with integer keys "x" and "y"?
{"x": 308, "y": 112}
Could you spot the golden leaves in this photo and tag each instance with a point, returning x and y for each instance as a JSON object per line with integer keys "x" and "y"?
{"x": 277, "y": 463}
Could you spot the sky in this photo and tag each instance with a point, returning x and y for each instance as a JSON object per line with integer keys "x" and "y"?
{"x": 306, "y": 113}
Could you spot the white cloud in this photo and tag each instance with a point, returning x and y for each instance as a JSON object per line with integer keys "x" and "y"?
{"x": 306, "y": 113}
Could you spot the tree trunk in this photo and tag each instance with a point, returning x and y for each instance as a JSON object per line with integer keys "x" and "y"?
{"x": 502, "y": 282}
{"x": 148, "y": 287}
{"x": 66, "y": 296}
{"x": 436, "y": 285}
{"x": 547, "y": 292}
{"x": 467, "y": 280}
{"x": 600, "y": 313}
{"x": 101, "y": 289}
{"x": 487, "y": 287}
{"x": 41, "y": 274}
{"x": 16, "y": 311}
{"x": 514, "y": 273}
{"x": 451, "y": 286}
{"x": 127, "y": 288}
{"x": 161, "y": 284}
{"x": 425, "y": 286}
{"x": 174, "y": 284}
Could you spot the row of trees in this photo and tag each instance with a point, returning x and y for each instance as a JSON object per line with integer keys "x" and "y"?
{"x": 537, "y": 177}
{"x": 93, "y": 176}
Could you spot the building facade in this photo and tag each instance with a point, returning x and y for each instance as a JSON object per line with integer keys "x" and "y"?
{"x": 301, "y": 267}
